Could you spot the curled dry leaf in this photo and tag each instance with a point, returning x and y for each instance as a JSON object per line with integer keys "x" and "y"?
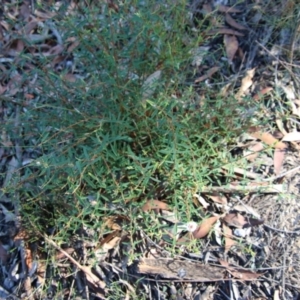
{"x": 246, "y": 84}
{"x": 224, "y": 31}
{"x": 233, "y": 23}
{"x": 155, "y": 205}
{"x": 205, "y": 227}
{"x": 231, "y": 45}
{"x": 228, "y": 9}
{"x": 209, "y": 73}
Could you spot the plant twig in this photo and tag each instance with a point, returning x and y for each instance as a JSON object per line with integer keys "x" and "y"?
{"x": 254, "y": 187}
{"x": 90, "y": 276}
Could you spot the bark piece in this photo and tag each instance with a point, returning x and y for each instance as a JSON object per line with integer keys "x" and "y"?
{"x": 180, "y": 269}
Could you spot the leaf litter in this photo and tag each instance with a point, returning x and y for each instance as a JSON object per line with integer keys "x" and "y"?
{"x": 226, "y": 266}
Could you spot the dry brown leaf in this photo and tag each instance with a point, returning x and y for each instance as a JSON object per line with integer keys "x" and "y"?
{"x": 20, "y": 45}
{"x": 44, "y": 15}
{"x": 72, "y": 46}
{"x": 233, "y": 23}
{"x": 228, "y": 9}
{"x": 224, "y": 31}
{"x": 246, "y": 84}
{"x": 235, "y": 220}
{"x": 28, "y": 96}
{"x": 217, "y": 198}
{"x": 70, "y": 77}
{"x": 241, "y": 274}
{"x": 155, "y": 205}
{"x": 58, "y": 49}
{"x": 231, "y": 45}
{"x": 254, "y": 150}
{"x": 244, "y": 275}
{"x": 279, "y": 155}
{"x": 262, "y": 92}
{"x": 205, "y": 227}
{"x": 209, "y": 73}
{"x": 226, "y": 89}
{"x": 113, "y": 5}
{"x": 25, "y": 10}
{"x": 102, "y": 252}
{"x": 110, "y": 237}
{"x": 30, "y": 27}
{"x": 229, "y": 242}
{"x": 269, "y": 139}
{"x": 292, "y": 137}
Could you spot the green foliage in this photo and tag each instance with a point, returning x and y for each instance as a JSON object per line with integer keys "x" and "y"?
{"x": 99, "y": 136}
